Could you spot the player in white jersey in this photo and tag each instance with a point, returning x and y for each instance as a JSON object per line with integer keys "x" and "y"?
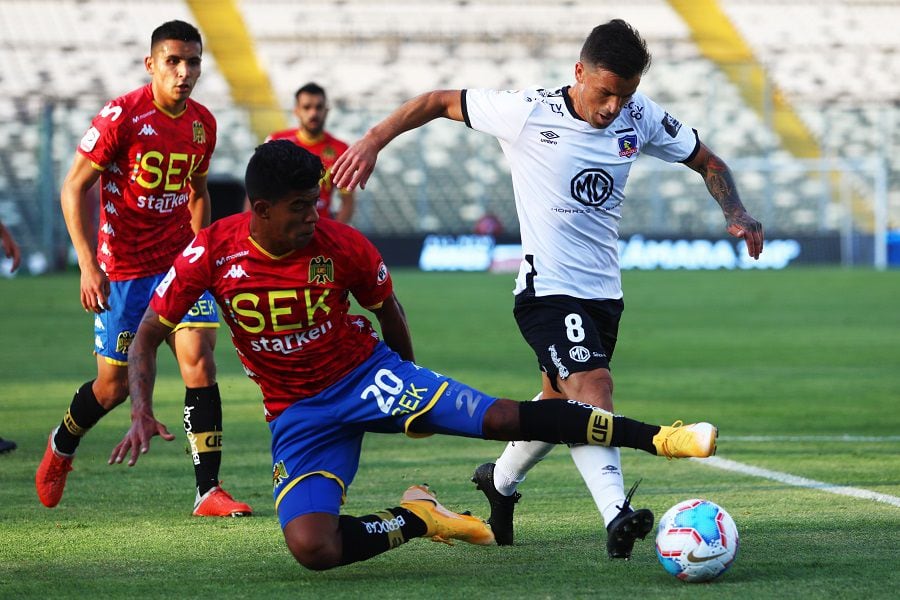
{"x": 570, "y": 150}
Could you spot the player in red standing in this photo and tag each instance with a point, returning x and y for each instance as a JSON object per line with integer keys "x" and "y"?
{"x": 311, "y": 109}
{"x": 284, "y": 278}
{"x": 151, "y": 150}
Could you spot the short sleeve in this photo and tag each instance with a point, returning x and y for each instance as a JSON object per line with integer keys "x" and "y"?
{"x": 501, "y": 114}
{"x": 373, "y": 284}
{"x": 665, "y": 137}
{"x": 100, "y": 143}
{"x": 186, "y": 281}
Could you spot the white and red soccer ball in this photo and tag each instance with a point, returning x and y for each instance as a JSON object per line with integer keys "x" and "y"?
{"x": 696, "y": 540}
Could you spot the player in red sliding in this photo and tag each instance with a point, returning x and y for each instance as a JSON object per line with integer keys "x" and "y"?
{"x": 284, "y": 279}
{"x": 151, "y": 150}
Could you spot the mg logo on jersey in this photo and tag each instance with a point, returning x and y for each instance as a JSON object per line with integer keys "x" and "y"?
{"x": 235, "y": 272}
{"x": 147, "y": 129}
{"x": 592, "y": 187}
{"x": 321, "y": 270}
{"x": 579, "y": 354}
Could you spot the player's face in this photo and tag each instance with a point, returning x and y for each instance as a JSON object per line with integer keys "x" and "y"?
{"x": 311, "y": 112}
{"x": 599, "y": 95}
{"x": 174, "y": 67}
{"x": 294, "y": 218}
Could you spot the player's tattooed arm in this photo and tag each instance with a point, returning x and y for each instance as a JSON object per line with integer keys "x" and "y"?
{"x": 720, "y": 183}
{"x": 141, "y": 379}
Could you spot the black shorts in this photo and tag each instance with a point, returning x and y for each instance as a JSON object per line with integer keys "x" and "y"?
{"x": 569, "y": 335}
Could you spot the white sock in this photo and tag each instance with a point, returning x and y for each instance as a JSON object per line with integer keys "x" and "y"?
{"x": 517, "y": 459}
{"x": 601, "y": 468}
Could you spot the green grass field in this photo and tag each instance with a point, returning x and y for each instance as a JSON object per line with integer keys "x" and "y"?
{"x": 785, "y": 363}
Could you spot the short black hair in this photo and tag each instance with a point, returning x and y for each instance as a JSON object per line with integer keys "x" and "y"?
{"x": 279, "y": 167}
{"x": 175, "y": 30}
{"x": 617, "y": 47}
{"x": 310, "y": 88}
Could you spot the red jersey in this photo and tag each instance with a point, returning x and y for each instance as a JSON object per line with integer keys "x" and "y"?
{"x": 288, "y": 314}
{"x": 328, "y": 148}
{"x": 147, "y": 157}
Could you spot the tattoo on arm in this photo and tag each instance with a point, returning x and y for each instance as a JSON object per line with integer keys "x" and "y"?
{"x": 720, "y": 184}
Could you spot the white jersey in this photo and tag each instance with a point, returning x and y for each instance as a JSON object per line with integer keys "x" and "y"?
{"x": 569, "y": 181}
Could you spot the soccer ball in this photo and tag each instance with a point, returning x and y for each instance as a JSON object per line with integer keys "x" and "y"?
{"x": 696, "y": 540}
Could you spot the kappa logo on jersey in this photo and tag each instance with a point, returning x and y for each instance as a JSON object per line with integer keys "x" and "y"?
{"x": 110, "y": 209}
{"x": 548, "y": 137}
{"x": 91, "y": 136}
{"x": 108, "y": 230}
{"x": 104, "y": 249}
{"x": 98, "y": 323}
{"x": 114, "y": 168}
{"x": 235, "y": 272}
{"x": 592, "y": 187}
{"x": 671, "y": 125}
{"x": 147, "y": 129}
{"x": 112, "y": 188}
{"x": 321, "y": 270}
{"x": 199, "y": 132}
{"x": 279, "y": 474}
{"x": 628, "y": 146}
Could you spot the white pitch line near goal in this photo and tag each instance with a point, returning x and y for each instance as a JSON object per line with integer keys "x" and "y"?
{"x": 731, "y": 465}
{"x": 870, "y": 439}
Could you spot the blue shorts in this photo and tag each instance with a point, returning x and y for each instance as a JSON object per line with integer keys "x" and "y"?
{"x": 115, "y": 328}
{"x": 316, "y": 442}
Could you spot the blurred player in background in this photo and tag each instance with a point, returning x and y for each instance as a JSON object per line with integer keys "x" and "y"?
{"x": 327, "y": 379}
{"x": 311, "y": 109}
{"x": 150, "y": 149}
{"x": 12, "y": 252}
{"x": 570, "y": 149}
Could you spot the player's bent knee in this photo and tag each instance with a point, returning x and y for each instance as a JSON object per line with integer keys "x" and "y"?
{"x": 316, "y": 554}
{"x": 314, "y": 541}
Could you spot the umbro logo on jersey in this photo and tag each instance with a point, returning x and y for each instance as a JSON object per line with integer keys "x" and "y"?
{"x": 235, "y": 272}
{"x": 548, "y": 137}
{"x": 147, "y": 129}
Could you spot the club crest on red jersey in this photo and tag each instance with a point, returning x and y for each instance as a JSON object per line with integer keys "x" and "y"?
{"x": 321, "y": 270}
{"x": 199, "y": 133}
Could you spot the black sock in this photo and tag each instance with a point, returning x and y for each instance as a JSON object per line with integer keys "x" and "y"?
{"x": 368, "y": 536}
{"x": 83, "y": 413}
{"x": 628, "y": 433}
{"x": 561, "y": 421}
{"x": 203, "y": 426}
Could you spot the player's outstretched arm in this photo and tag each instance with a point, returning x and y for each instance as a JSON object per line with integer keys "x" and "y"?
{"x": 721, "y": 186}
{"x": 354, "y": 166}
{"x": 141, "y": 378}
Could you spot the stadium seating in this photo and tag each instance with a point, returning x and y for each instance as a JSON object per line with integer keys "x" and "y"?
{"x": 371, "y": 55}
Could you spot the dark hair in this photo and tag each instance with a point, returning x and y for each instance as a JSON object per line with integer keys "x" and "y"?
{"x": 279, "y": 167}
{"x": 175, "y": 30}
{"x": 310, "y": 88}
{"x": 617, "y": 47}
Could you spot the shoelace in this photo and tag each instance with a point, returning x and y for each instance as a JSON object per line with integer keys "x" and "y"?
{"x": 665, "y": 443}
{"x": 627, "y": 504}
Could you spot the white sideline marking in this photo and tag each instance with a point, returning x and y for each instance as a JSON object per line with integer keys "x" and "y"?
{"x": 809, "y": 438}
{"x": 731, "y": 465}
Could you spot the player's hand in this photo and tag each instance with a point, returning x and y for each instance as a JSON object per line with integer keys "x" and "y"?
{"x": 750, "y": 230}
{"x": 354, "y": 166}
{"x": 137, "y": 439}
{"x": 94, "y": 290}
